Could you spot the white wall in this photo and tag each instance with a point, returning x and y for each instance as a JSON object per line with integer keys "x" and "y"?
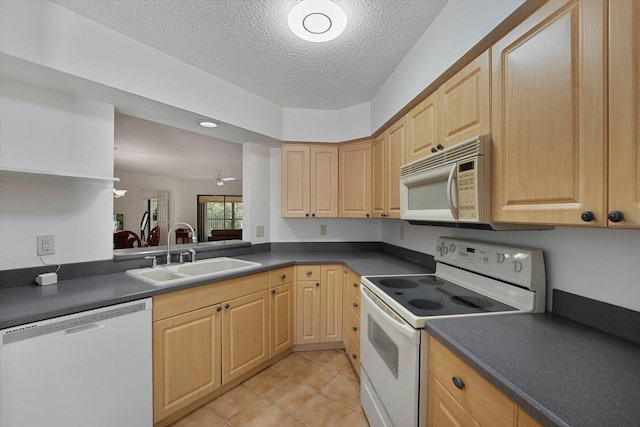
{"x": 256, "y": 192}
{"x": 327, "y": 125}
{"x": 42, "y": 129}
{"x": 50, "y": 35}
{"x": 601, "y": 264}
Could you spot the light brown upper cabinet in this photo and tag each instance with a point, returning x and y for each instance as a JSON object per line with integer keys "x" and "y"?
{"x": 389, "y": 154}
{"x": 422, "y": 128}
{"x": 464, "y": 103}
{"x": 309, "y": 180}
{"x": 624, "y": 113}
{"x": 549, "y": 121}
{"x": 354, "y": 191}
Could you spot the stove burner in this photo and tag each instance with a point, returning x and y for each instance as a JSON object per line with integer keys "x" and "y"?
{"x": 470, "y": 301}
{"x": 425, "y": 304}
{"x": 399, "y": 283}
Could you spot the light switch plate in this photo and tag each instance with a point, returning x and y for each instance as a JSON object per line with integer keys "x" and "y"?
{"x": 323, "y": 230}
{"x": 46, "y": 245}
{"x": 260, "y": 231}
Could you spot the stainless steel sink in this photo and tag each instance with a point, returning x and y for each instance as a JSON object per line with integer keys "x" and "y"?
{"x": 183, "y": 273}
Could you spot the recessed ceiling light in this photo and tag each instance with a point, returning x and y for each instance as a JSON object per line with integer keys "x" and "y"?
{"x": 207, "y": 124}
{"x": 317, "y": 20}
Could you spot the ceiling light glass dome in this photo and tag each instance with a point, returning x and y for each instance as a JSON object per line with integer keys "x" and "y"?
{"x": 317, "y": 20}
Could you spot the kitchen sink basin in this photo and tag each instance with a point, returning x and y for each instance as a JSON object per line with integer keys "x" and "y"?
{"x": 184, "y": 273}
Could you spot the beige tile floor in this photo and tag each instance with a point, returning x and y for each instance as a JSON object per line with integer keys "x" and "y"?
{"x": 312, "y": 388}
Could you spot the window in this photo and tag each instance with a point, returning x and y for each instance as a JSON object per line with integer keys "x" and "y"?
{"x": 217, "y": 213}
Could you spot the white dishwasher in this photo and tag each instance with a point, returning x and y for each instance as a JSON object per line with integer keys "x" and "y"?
{"x": 88, "y": 369}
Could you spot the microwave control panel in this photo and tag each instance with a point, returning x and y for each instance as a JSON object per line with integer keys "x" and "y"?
{"x": 467, "y": 190}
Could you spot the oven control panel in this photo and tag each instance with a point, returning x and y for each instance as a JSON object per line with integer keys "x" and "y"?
{"x": 520, "y": 266}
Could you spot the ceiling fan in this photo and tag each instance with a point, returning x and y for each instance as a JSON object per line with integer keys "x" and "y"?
{"x": 221, "y": 181}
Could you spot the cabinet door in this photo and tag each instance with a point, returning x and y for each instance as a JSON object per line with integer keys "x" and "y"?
{"x": 549, "y": 116}
{"x": 295, "y": 181}
{"x": 444, "y": 410}
{"x": 464, "y": 102}
{"x": 355, "y": 180}
{"x": 422, "y": 128}
{"x": 245, "y": 334}
{"x": 186, "y": 360}
{"x": 324, "y": 181}
{"x": 307, "y": 312}
{"x": 281, "y": 318}
{"x": 379, "y": 176}
{"x": 624, "y": 111}
{"x": 331, "y": 303}
{"x": 396, "y": 157}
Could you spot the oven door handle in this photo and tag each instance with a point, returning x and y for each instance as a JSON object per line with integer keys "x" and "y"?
{"x": 405, "y": 329}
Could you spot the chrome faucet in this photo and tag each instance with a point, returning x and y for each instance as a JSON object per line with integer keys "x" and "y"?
{"x": 194, "y": 238}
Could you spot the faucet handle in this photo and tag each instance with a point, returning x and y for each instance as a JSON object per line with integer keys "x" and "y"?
{"x": 193, "y": 254}
{"x": 182, "y": 254}
{"x": 154, "y": 263}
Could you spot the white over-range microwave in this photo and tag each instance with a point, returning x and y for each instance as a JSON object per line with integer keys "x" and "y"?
{"x": 452, "y": 185}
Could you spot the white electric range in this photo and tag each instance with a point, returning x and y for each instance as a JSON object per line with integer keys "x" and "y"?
{"x": 471, "y": 279}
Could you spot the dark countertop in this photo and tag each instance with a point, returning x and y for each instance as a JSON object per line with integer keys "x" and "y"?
{"x": 559, "y": 371}
{"x": 26, "y": 304}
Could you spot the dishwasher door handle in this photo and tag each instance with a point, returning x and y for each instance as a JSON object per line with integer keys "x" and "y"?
{"x": 84, "y": 328}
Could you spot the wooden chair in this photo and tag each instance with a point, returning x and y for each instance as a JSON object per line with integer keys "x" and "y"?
{"x": 182, "y": 236}
{"x": 154, "y": 236}
{"x": 126, "y": 239}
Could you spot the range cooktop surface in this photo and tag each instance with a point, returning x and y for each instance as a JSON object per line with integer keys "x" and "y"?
{"x": 430, "y": 295}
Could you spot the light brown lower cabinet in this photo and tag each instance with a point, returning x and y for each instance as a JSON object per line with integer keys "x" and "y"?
{"x": 245, "y": 334}
{"x": 208, "y": 336}
{"x": 281, "y": 318}
{"x": 318, "y": 304}
{"x": 458, "y": 396}
{"x": 186, "y": 359}
{"x": 351, "y": 317}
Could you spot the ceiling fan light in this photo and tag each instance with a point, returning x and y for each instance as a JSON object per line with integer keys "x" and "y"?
{"x": 118, "y": 194}
{"x": 317, "y": 20}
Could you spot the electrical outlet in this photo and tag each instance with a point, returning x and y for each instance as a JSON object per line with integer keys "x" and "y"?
{"x": 260, "y": 231}
{"x": 323, "y": 230}
{"x": 46, "y": 245}
{"x": 401, "y": 233}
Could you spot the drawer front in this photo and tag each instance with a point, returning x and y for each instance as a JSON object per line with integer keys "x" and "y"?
{"x": 482, "y": 401}
{"x": 308, "y": 272}
{"x": 353, "y": 325}
{"x": 280, "y": 276}
{"x": 183, "y": 301}
{"x": 354, "y": 301}
{"x": 353, "y": 349}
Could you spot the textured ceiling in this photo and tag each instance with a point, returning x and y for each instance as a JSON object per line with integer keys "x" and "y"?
{"x": 248, "y": 43}
{"x": 149, "y": 148}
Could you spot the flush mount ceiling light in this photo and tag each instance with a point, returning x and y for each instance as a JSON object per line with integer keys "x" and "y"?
{"x": 317, "y": 20}
{"x": 207, "y": 124}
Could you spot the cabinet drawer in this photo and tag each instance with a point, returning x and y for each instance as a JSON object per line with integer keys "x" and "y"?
{"x": 353, "y": 350}
{"x": 308, "y": 272}
{"x": 483, "y": 402}
{"x": 353, "y": 325}
{"x": 354, "y": 301}
{"x": 183, "y": 301}
{"x": 280, "y": 276}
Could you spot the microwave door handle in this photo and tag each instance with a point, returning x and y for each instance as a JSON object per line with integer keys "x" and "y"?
{"x": 451, "y": 197}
